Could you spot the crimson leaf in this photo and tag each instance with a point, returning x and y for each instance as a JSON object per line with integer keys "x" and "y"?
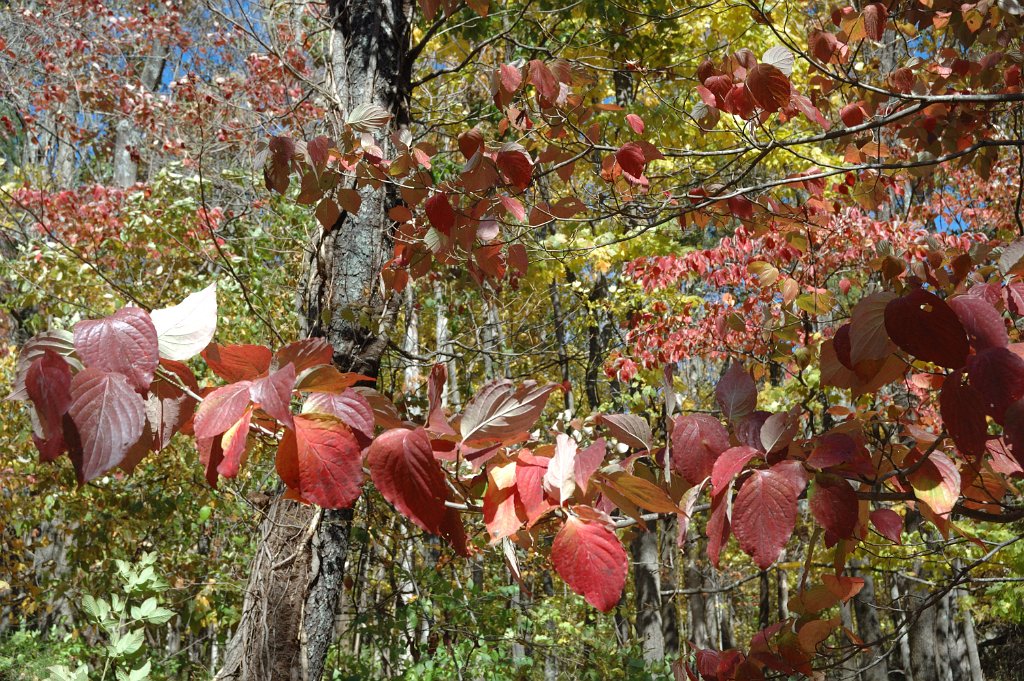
{"x": 592, "y": 561}
{"x": 403, "y": 468}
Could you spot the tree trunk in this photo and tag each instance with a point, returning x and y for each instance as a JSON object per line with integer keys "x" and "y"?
{"x": 647, "y": 587}
{"x": 287, "y": 622}
{"x": 922, "y": 629}
{"x": 873, "y": 663}
{"x": 669, "y": 614}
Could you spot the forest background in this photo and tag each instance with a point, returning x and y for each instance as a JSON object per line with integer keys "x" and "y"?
{"x": 668, "y": 216}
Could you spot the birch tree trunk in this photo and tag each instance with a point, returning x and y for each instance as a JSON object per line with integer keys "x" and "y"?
{"x": 296, "y": 577}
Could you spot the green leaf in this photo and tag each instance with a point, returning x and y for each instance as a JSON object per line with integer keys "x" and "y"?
{"x": 129, "y": 644}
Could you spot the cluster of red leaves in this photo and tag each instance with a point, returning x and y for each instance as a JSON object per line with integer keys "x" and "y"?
{"x": 750, "y": 282}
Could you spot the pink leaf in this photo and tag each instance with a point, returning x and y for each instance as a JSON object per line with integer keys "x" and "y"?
{"x": 354, "y": 410}
{"x": 273, "y": 394}
{"x": 125, "y": 343}
{"x": 636, "y": 123}
{"x": 588, "y": 460}
{"x": 109, "y": 416}
{"x": 221, "y": 409}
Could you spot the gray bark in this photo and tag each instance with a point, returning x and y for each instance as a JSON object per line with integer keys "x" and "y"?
{"x": 669, "y": 614}
{"x": 647, "y": 588}
{"x": 873, "y": 663}
{"x": 922, "y": 629}
{"x": 294, "y": 586}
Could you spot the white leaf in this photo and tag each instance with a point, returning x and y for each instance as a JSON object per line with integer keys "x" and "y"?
{"x": 560, "y": 478}
{"x": 186, "y": 328}
{"x": 368, "y": 117}
{"x": 780, "y": 58}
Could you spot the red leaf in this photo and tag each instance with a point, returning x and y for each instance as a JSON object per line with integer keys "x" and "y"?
{"x": 287, "y": 460}
{"x": 998, "y": 374}
{"x": 329, "y": 460}
{"x": 768, "y": 87}
{"x": 440, "y": 213}
{"x": 984, "y": 325}
{"x": 636, "y": 123}
{"x": 764, "y": 514}
{"x": 236, "y": 363}
{"x": 513, "y": 206}
{"x": 630, "y": 158}
{"x": 834, "y": 505}
{"x": 125, "y": 342}
{"x": 592, "y": 561}
{"x": 736, "y": 393}
{"x": 403, "y": 468}
{"x": 823, "y": 45}
{"x": 304, "y": 354}
{"x": 109, "y": 416}
{"x": 511, "y": 78}
{"x": 515, "y": 164}
{"x": 350, "y": 407}
{"x": 436, "y": 421}
{"x": 542, "y": 78}
{"x": 273, "y": 394}
{"x": 889, "y": 524}
{"x": 869, "y": 342}
{"x": 832, "y": 449}
{"x": 588, "y": 460}
{"x": 697, "y": 441}
{"x": 718, "y": 527}
{"x": 936, "y": 483}
{"x": 48, "y": 383}
{"x": 923, "y": 325}
{"x": 748, "y": 430}
{"x": 221, "y": 409}
{"x": 471, "y": 142}
{"x": 530, "y": 472}
{"x": 963, "y": 414}
{"x": 779, "y": 430}
{"x": 454, "y": 532}
{"x": 210, "y": 455}
{"x": 852, "y": 115}
{"x": 729, "y": 465}
{"x": 232, "y": 444}
{"x": 875, "y": 15}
